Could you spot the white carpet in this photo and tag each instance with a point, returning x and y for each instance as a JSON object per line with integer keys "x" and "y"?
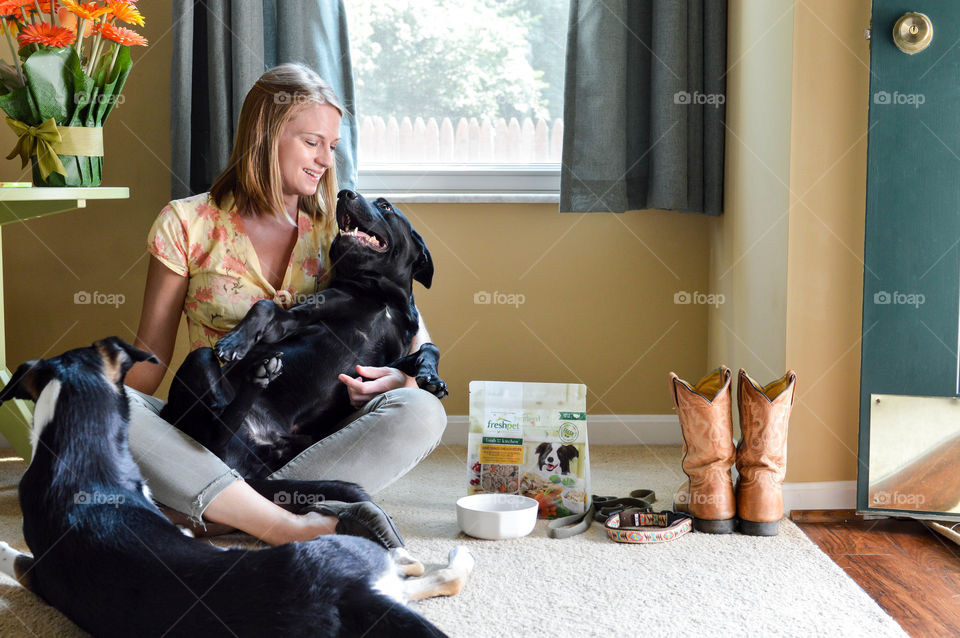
{"x": 584, "y": 586}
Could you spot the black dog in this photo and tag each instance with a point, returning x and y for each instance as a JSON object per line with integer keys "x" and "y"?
{"x": 278, "y": 392}
{"x": 550, "y": 456}
{"x": 110, "y": 561}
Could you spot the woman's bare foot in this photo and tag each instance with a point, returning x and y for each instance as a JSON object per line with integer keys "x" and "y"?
{"x": 308, "y": 526}
{"x": 289, "y": 528}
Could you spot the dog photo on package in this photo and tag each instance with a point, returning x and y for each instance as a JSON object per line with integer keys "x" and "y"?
{"x": 530, "y": 439}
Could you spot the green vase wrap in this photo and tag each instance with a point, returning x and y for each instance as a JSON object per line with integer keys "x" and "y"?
{"x": 57, "y": 87}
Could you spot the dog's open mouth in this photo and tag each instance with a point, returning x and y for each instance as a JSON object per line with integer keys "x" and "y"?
{"x": 364, "y": 239}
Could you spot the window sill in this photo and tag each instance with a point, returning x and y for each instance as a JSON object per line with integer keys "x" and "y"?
{"x": 462, "y": 183}
{"x": 405, "y": 197}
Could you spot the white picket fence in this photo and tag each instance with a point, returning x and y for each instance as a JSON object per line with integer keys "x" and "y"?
{"x": 418, "y": 141}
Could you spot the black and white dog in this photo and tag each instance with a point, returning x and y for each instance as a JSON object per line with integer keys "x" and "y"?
{"x": 551, "y": 456}
{"x": 111, "y": 562}
{"x": 278, "y": 392}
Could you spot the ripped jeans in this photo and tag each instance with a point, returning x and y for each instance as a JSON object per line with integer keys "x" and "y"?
{"x": 374, "y": 447}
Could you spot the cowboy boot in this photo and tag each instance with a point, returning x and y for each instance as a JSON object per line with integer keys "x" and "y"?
{"x": 762, "y": 452}
{"x": 706, "y": 424}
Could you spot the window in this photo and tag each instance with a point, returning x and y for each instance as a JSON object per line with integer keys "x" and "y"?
{"x": 459, "y": 97}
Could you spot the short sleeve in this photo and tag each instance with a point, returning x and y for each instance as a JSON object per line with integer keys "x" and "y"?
{"x": 168, "y": 241}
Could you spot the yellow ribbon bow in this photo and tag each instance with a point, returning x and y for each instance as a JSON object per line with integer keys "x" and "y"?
{"x": 39, "y": 141}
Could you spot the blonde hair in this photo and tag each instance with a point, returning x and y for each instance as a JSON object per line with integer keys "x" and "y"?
{"x": 252, "y": 176}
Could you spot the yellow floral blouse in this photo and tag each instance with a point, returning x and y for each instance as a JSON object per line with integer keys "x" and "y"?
{"x": 209, "y": 245}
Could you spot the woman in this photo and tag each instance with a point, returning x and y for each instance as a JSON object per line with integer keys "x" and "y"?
{"x": 264, "y": 232}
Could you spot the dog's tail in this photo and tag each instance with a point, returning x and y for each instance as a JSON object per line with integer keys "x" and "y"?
{"x": 16, "y": 564}
{"x": 382, "y": 616}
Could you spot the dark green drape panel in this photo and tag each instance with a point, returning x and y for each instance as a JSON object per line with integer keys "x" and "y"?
{"x": 220, "y": 49}
{"x": 644, "y": 106}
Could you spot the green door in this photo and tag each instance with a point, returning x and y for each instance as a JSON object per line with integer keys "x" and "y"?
{"x": 910, "y": 367}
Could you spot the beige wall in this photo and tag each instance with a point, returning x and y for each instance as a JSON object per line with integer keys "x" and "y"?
{"x": 797, "y": 116}
{"x": 598, "y": 288}
{"x": 825, "y": 271}
{"x": 749, "y": 242}
{"x": 599, "y": 299}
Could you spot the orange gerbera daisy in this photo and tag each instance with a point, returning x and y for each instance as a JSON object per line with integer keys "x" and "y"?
{"x": 126, "y": 12}
{"x": 86, "y": 10}
{"x": 12, "y": 7}
{"x": 121, "y": 35}
{"x": 70, "y": 21}
{"x": 46, "y": 34}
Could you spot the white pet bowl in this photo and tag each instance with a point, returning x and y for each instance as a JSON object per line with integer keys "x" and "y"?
{"x": 497, "y": 516}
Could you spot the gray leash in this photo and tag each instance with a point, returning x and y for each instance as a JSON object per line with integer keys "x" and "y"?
{"x": 601, "y": 508}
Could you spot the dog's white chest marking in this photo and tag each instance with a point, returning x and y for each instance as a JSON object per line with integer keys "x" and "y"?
{"x": 8, "y": 556}
{"x": 390, "y": 584}
{"x": 44, "y": 412}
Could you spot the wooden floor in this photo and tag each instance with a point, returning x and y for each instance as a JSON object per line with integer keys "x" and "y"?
{"x": 911, "y": 571}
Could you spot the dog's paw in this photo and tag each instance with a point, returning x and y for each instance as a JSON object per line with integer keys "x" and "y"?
{"x": 233, "y": 346}
{"x": 267, "y": 370}
{"x": 461, "y": 559}
{"x": 406, "y": 564}
{"x": 432, "y": 384}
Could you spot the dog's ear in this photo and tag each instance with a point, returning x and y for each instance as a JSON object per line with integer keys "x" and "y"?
{"x": 27, "y": 382}
{"x": 423, "y": 267}
{"x": 543, "y": 447}
{"x": 567, "y": 452}
{"x": 119, "y": 356}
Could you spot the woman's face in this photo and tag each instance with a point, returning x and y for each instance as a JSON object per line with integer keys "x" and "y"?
{"x": 305, "y": 149}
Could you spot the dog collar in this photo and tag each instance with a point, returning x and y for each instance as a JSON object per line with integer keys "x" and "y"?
{"x": 637, "y": 526}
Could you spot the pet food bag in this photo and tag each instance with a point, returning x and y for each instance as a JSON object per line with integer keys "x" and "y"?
{"x": 530, "y": 439}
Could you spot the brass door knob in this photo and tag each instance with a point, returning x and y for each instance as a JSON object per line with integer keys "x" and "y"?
{"x": 913, "y": 33}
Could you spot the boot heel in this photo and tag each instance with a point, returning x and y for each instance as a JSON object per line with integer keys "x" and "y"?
{"x": 727, "y": 526}
{"x": 759, "y": 529}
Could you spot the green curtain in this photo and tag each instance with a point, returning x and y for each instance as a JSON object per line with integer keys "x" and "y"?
{"x": 644, "y": 106}
{"x": 220, "y": 49}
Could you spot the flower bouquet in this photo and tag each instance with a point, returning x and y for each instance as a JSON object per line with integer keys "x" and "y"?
{"x": 69, "y": 67}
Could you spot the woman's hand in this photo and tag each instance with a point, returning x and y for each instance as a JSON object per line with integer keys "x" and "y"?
{"x": 381, "y": 379}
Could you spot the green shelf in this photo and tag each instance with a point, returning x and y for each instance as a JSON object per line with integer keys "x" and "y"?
{"x": 20, "y": 204}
